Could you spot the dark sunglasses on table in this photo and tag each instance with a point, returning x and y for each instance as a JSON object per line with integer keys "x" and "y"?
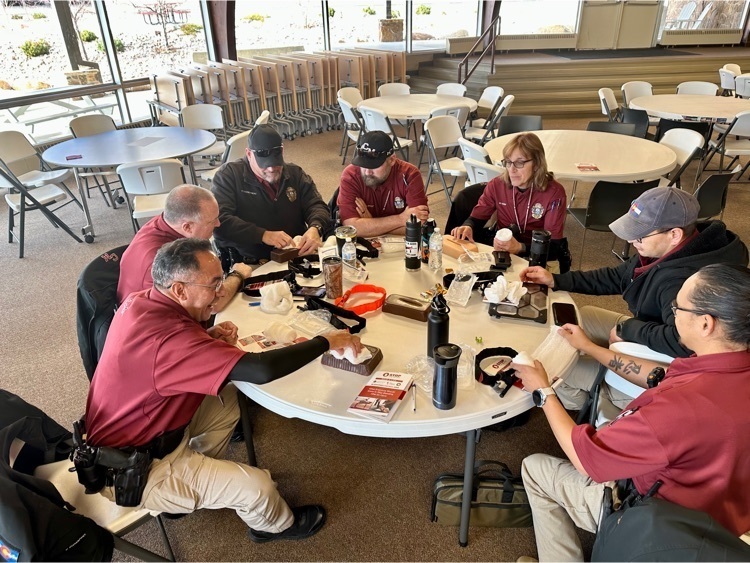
{"x": 264, "y": 153}
{"x": 372, "y": 153}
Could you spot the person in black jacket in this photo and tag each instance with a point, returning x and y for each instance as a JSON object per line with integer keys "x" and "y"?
{"x": 264, "y": 202}
{"x": 662, "y": 226}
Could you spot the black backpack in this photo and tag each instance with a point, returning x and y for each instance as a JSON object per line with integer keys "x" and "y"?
{"x": 36, "y": 524}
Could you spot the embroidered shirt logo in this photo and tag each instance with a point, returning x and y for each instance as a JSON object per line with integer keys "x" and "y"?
{"x": 291, "y": 194}
{"x": 537, "y": 211}
{"x": 398, "y": 202}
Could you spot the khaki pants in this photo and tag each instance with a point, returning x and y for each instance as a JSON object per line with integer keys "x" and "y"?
{"x": 597, "y": 323}
{"x": 561, "y": 499}
{"x": 193, "y": 477}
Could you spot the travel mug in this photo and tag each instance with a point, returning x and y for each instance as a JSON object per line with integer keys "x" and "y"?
{"x": 445, "y": 382}
{"x": 332, "y": 275}
{"x": 539, "y": 248}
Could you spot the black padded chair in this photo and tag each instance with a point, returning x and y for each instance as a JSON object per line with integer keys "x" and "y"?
{"x": 637, "y": 117}
{"x": 612, "y": 127}
{"x": 703, "y": 127}
{"x": 519, "y": 124}
{"x": 608, "y": 201}
{"x": 712, "y": 195}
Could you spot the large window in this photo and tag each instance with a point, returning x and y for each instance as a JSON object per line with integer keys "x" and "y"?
{"x": 538, "y": 16}
{"x": 703, "y": 14}
{"x": 435, "y": 21}
{"x": 278, "y": 26}
{"x": 359, "y": 23}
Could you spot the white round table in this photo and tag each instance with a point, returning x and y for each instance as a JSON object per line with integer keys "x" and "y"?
{"x": 321, "y": 394}
{"x": 691, "y": 107}
{"x": 124, "y": 146}
{"x": 414, "y": 106}
{"x": 619, "y": 158}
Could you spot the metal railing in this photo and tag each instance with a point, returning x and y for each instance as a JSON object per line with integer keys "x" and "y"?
{"x": 492, "y": 31}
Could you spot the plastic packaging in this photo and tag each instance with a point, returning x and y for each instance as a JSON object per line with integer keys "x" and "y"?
{"x": 349, "y": 253}
{"x": 436, "y": 250}
{"x": 423, "y": 370}
{"x": 312, "y": 323}
{"x": 460, "y": 290}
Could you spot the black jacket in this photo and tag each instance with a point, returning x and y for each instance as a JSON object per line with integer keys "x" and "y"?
{"x": 247, "y": 211}
{"x": 649, "y": 296}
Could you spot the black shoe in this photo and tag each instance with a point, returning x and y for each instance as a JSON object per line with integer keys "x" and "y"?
{"x": 307, "y": 521}
{"x": 237, "y": 436}
{"x": 169, "y": 516}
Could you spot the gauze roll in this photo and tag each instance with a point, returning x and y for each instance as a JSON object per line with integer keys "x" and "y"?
{"x": 276, "y": 298}
{"x": 280, "y": 333}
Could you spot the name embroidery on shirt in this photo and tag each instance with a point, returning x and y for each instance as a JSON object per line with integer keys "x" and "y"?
{"x": 291, "y": 194}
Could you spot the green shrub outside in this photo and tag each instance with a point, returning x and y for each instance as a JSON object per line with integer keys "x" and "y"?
{"x": 423, "y": 10}
{"x": 16, "y": 17}
{"x": 190, "y": 28}
{"x": 35, "y": 48}
{"x": 119, "y": 45}
{"x": 369, "y": 11}
{"x": 87, "y": 36}
{"x": 331, "y": 12}
{"x": 39, "y": 16}
{"x": 254, "y": 18}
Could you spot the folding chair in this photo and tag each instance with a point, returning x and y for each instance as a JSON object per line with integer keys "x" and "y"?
{"x": 474, "y": 151}
{"x": 443, "y": 132}
{"x": 85, "y": 126}
{"x": 686, "y": 144}
{"x": 209, "y": 118}
{"x": 489, "y": 101}
{"x": 376, "y": 120}
{"x": 451, "y": 89}
{"x": 609, "y": 104}
{"x": 483, "y": 134}
{"x": 235, "y": 150}
{"x": 149, "y": 182}
{"x": 478, "y": 171}
{"x": 612, "y": 127}
{"x": 712, "y": 195}
{"x": 353, "y": 126}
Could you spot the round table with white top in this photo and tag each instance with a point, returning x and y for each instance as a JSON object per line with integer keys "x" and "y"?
{"x": 572, "y": 155}
{"x": 691, "y": 107}
{"x": 415, "y": 106}
{"x": 322, "y": 394}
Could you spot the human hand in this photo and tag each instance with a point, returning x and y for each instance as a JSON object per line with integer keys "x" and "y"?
{"x": 537, "y": 274}
{"x": 310, "y": 242}
{"x": 340, "y": 339}
{"x": 512, "y": 245}
{"x": 226, "y": 331}
{"x": 362, "y": 210}
{"x": 613, "y": 336}
{"x": 533, "y": 377}
{"x": 421, "y": 211}
{"x": 277, "y": 239}
{"x": 463, "y": 233}
{"x": 575, "y": 336}
{"x": 245, "y": 270}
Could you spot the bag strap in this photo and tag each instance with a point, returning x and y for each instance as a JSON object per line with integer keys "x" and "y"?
{"x": 315, "y": 303}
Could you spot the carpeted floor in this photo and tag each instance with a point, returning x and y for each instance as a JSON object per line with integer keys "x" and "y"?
{"x": 377, "y": 492}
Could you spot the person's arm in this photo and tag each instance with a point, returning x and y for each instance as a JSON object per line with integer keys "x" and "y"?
{"x": 233, "y": 283}
{"x": 226, "y": 186}
{"x": 376, "y": 226}
{"x": 604, "y": 281}
{"x": 271, "y": 365}
{"x": 633, "y": 369}
{"x": 315, "y": 210}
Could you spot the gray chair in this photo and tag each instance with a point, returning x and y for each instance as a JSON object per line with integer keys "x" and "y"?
{"x": 608, "y": 201}
{"x": 712, "y": 195}
{"x": 639, "y": 118}
{"x": 519, "y": 124}
{"x": 612, "y": 127}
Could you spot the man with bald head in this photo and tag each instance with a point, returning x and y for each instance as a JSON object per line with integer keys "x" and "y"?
{"x": 189, "y": 212}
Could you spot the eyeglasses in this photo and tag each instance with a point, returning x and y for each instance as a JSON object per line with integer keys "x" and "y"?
{"x": 518, "y": 164}
{"x": 675, "y": 308}
{"x": 264, "y": 153}
{"x": 640, "y": 240}
{"x": 216, "y": 287}
{"x": 372, "y": 153}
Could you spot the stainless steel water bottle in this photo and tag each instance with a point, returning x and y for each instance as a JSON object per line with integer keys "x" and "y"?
{"x": 437, "y": 323}
{"x": 412, "y": 239}
{"x": 445, "y": 381}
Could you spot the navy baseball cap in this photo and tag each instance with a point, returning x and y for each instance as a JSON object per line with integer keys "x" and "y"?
{"x": 656, "y": 209}
{"x": 266, "y": 144}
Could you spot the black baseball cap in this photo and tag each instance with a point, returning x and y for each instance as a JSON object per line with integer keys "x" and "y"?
{"x": 373, "y": 149}
{"x": 266, "y": 144}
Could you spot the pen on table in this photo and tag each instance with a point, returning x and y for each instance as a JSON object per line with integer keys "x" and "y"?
{"x": 414, "y": 397}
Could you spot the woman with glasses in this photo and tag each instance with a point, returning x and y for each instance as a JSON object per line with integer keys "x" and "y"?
{"x": 525, "y": 197}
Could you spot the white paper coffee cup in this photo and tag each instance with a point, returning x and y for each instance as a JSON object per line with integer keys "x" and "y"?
{"x": 504, "y": 235}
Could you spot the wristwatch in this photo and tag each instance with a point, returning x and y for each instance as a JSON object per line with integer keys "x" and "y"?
{"x": 320, "y": 230}
{"x": 236, "y": 274}
{"x": 540, "y": 395}
{"x": 618, "y": 329}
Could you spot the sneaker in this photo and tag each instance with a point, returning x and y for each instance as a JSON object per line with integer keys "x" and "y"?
{"x": 307, "y": 521}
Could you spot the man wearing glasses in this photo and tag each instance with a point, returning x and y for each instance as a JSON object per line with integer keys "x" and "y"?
{"x": 189, "y": 211}
{"x": 379, "y": 192}
{"x": 662, "y": 226}
{"x": 161, "y": 386}
{"x": 264, "y": 202}
{"x": 690, "y": 431}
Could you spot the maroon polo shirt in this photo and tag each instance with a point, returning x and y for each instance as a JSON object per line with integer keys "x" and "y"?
{"x": 692, "y": 432}
{"x": 136, "y": 262}
{"x": 403, "y": 188}
{"x": 157, "y": 366}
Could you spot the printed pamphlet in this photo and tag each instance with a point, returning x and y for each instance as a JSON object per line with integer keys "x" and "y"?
{"x": 587, "y": 167}
{"x": 381, "y": 395}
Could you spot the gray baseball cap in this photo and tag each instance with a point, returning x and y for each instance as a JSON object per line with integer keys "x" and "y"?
{"x": 656, "y": 209}
{"x": 266, "y": 144}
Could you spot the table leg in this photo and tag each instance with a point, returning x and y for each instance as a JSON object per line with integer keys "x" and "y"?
{"x": 471, "y": 446}
{"x": 247, "y": 428}
{"x": 191, "y": 166}
{"x": 88, "y": 229}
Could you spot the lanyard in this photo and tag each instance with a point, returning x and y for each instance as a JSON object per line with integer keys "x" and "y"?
{"x": 528, "y": 208}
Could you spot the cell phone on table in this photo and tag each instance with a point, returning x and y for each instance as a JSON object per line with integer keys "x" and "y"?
{"x": 564, "y": 313}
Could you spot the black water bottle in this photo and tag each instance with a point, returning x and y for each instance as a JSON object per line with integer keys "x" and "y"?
{"x": 539, "y": 248}
{"x": 445, "y": 380}
{"x": 413, "y": 236}
{"x": 437, "y": 323}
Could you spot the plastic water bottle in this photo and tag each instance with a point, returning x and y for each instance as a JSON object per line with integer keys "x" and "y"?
{"x": 436, "y": 250}
{"x": 349, "y": 253}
